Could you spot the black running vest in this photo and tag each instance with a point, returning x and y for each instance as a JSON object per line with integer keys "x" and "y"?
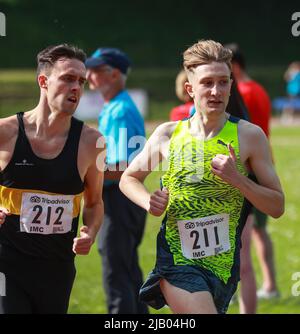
{"x": 44, "y": 197}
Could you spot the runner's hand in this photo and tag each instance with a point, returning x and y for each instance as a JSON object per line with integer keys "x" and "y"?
{"x": 83, "y": 243}
{"x": 3, "y": 213}
{"x": 158, "y": 202}
{"x": 224, "y": 166}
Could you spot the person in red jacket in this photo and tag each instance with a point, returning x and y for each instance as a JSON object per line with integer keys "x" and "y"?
{"x": 183, "y": 110}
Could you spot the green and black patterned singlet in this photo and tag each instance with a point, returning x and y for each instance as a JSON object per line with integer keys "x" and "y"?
{"x": 204, "y": 211}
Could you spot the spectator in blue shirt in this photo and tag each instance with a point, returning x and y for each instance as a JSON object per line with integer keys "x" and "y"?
{"x": 292, "y": 77}
{"x": 121, "y": 233}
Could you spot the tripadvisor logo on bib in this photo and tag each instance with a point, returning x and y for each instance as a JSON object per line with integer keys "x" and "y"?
{"x": 37, "y": 199}
{"x": 2, "y": 25}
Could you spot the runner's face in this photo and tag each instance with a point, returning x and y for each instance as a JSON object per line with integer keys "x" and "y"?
{"x": 210, "y": 87}
{"x": 65, "y": 85}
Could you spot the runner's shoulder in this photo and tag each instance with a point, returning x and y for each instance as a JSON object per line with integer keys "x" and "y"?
{"x": 9, "y": 128}
{"x": 250, "y": 130}
{"x": 252, "y": 138}
{"x": 166, "y": 129}
{"x": 91, "y": 137}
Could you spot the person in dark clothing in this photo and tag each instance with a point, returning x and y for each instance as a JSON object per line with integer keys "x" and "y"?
{"x": 122, "y": 126}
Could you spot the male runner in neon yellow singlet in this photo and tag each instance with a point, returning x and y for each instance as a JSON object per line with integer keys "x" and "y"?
{"x": 205, "y": 190}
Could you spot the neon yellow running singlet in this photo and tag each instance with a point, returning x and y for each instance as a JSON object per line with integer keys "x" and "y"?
{"x": 203, "y": 211}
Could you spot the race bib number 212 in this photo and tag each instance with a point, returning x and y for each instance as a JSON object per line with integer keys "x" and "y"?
{"x": 46, "y": 214}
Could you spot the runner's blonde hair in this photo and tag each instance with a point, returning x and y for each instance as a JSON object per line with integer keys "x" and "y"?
{"x": 205, "y": 52}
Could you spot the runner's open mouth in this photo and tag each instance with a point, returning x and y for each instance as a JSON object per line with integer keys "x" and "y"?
{"x": 72, "y": 99}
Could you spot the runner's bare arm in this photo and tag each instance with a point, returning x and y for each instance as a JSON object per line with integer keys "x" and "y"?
{"x": 93, "y": 208}
{"x": 132, "y": 180}
{"x": 8, "y": 135}
{"x": 266, "y": 195}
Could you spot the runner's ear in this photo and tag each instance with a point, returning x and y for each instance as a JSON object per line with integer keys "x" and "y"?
{"x": 189, "y": 88}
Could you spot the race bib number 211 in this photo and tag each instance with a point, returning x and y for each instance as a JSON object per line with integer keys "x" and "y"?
{"x": 205, "y": 236}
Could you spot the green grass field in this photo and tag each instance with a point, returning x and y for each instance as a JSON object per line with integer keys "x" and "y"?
{"x": 88, "y": 295}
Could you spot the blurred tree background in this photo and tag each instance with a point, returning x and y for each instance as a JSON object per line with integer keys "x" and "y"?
{"x": 153, "y": 33}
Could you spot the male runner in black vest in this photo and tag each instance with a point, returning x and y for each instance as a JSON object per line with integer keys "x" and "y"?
{"x": 47, "y": 164}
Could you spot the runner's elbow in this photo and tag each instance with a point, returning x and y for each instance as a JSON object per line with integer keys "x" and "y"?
{"x": 278, "y": 210}
{"x": 122, "y": 183}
